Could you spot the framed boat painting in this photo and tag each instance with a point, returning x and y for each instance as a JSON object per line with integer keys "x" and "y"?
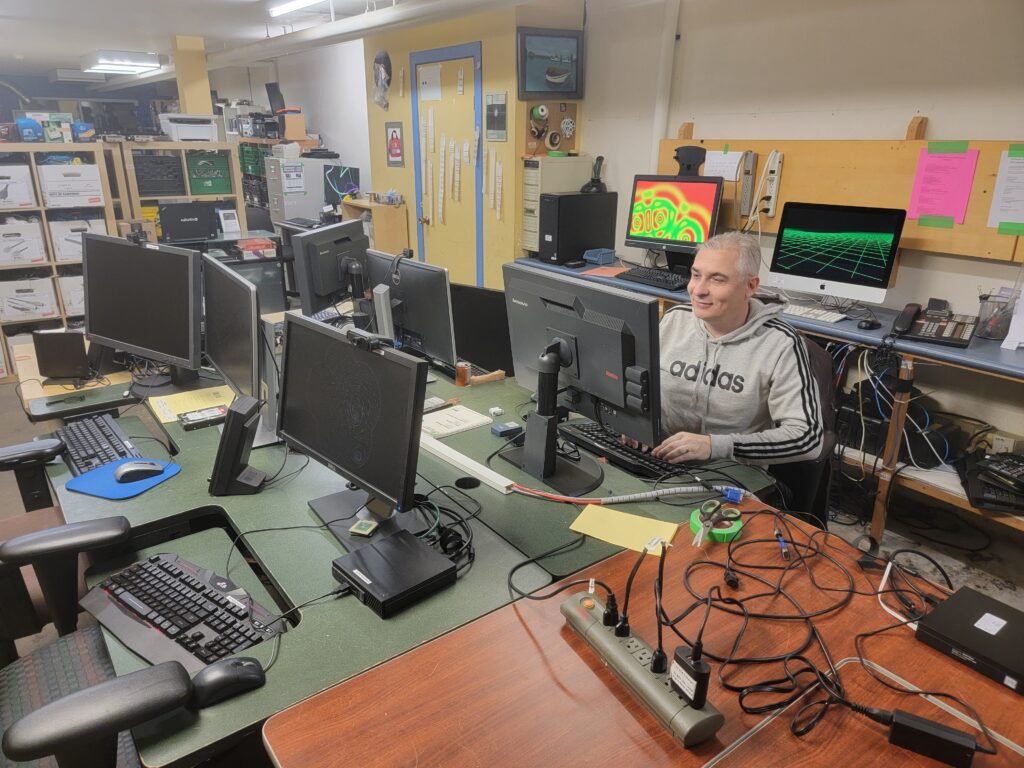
{"x": 549, "y": 63}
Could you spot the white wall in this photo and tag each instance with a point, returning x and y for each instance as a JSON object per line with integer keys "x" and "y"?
{"x": 857, "y": 69}
{"x": 330, "y": 86}
{"x": 243, "y": 82}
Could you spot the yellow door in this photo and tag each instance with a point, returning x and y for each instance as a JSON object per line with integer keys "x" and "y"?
{"x": 447, "y": 204}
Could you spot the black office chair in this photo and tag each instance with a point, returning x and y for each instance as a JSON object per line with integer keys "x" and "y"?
{"x": 64, "y": 700}
{"x": 807, "y": 483}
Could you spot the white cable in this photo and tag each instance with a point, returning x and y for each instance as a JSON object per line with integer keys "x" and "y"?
{"x": 645, "y": 495}
{"x": 920, "y": 431}
{"x": 881, "y": 587}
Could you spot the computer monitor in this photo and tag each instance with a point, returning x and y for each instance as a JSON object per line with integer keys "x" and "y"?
{"x": 357, "y": 411}
{"x": 674, "y": 214}
{"x": 237, "y": 345}
{"x": 481, "y": 327}
{"x": 326, "y": 263}
{"x": 591, "y": 348}
{"x": 144, "y": 299}
{"x": 421, "y": 304}
{"x": 838, "y": 250}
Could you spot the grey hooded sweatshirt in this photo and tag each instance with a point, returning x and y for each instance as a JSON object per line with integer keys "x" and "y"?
{"x": 751, "y": 390}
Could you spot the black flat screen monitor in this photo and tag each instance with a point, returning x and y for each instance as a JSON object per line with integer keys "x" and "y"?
{"x": 421, "y": 301}
{"x": 612, "y": 370}
{"x": 232, "y": 315}
{"x": 143, "y": 299}
{"x": 481, "y": 327}
{"x": 324, "y": 260}
{"x": 673, "y": 214}
{"x": 357, "y": 412}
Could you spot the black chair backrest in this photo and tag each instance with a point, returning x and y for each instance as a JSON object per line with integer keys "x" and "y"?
{"x": 821, "y": 366}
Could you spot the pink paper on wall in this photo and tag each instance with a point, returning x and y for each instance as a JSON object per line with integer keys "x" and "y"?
{"x": 942, "y": 185}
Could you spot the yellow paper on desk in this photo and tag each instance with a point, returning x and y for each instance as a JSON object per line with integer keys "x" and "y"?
{"x": 168, "y": 407}
{"x": 621, "y": 528}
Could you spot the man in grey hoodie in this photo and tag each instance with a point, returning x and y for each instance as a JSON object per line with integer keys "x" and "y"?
{"x": 736, "y": 382}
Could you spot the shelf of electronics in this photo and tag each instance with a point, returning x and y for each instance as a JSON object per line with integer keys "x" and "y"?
{"x": 941, "y": 483}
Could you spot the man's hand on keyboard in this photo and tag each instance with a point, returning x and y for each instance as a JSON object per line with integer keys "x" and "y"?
{"x": 634, "y": 444}
{"x": 684, "y": 446}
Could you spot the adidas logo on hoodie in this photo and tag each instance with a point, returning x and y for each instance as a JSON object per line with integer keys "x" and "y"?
{"x": 713, "y": 377}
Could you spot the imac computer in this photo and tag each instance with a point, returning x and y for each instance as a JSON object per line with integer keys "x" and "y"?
{"x": 329, "y": 264}
{"x": 674, "y": 214}
{"x": 838, "y": 250}
{"x": 419, "y": 298}
{"x": 590, "y": 348}
{"x": 358, "y": 411}
{"x": 481, "y": 327}
{"x": 145, "y": 300}
{"x": 237, "y": 344}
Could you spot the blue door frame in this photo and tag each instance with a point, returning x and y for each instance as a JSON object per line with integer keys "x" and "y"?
{"x": 433, "y": 56}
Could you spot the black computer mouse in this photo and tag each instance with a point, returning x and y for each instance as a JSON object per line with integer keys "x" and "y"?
{"x": 868, "y": 324}
{"x": 225, "y": 679}
{"x": 131, "y": 471}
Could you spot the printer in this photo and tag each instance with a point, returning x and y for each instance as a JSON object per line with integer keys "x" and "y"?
{"x": 189, "y": 127}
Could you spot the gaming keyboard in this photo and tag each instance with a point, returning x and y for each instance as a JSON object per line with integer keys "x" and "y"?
{"x": 656, "y": 278}
{"x": 168, "y": 609}
{"x": 93, "y": 441}
{"x": 609, "y": 445}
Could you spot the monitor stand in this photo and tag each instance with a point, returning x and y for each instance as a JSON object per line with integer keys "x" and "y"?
{"x": 179, "y": 380}
{"x": 539, "y": 454}
{"x": 343, "y": 509}
{"x": 679, "y": 262}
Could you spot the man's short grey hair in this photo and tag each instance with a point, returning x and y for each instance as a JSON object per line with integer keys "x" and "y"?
{"x": 743, "y": 245}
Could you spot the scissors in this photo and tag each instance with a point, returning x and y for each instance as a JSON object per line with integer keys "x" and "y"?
{"x": 711, "y": 514}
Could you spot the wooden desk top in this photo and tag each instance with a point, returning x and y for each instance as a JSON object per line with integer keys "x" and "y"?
{"x": 519, "y": 687}
{"x": 33, "y": 385}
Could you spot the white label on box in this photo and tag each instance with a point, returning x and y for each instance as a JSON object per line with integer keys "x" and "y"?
{"x": 68, "y": 186}
{"x": 27, "y": 300}
{"x": 16, "y": 187}
{"x": 21, "y": 242}
{"x": 990, "y": 623}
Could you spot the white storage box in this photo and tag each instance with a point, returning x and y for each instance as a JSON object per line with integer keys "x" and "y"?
{"x": 4, "y": 370}
{"x": 16, "y": 187}
{"x": 67, "y": 236}
{"x": 27, "y": 300}
{"x": 70, "y": 186}
{"x": 22, "y": 242}
{"x": 17, "y": 340}
{"x": 72, "y": 294}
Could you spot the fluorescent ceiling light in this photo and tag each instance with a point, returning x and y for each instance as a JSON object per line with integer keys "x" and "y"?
{"x": 121, "y": 62}
{"x": 294, "y": 5}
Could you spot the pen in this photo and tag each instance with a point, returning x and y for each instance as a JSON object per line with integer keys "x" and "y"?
{"x": 782, "y": 545}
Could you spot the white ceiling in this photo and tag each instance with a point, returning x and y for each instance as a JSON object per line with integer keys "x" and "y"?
{"x": 39, "y": 35}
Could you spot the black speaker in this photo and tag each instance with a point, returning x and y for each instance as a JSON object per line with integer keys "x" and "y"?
{"x": 574, "y": 222}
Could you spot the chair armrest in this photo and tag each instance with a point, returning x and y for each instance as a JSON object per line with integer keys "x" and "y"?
{"x": 64, "y": 539}
{"x": 80, "y": 719}
{"x": 32, "y": 452}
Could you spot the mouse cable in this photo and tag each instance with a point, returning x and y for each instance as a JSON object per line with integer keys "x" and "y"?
{"x": 340, "y": 591}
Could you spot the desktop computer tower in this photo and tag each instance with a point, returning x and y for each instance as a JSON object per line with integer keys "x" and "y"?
{"x": 574, "y": 222}
{"x": 542, "y": 175}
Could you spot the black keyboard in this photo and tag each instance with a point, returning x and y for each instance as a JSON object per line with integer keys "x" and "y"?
{"x": 94, "y": 441}
{"x": 985, "y": 491}
{"x": 1007, "y": 469}
{"x": 302, "y": 222}
{"x": 608, "y": 444}
{"x": 657, "y": 278}
{"x": 168, "y": 609}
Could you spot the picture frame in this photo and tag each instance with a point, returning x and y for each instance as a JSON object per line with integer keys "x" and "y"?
{"x": 549, "y": 64}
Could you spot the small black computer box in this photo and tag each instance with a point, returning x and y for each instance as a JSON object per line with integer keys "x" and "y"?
{"x": 393, "y": 572}
{"x": 981, "y": 632}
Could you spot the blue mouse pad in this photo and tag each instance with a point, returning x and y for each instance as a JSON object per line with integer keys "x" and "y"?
{"x": 100, "y": 481}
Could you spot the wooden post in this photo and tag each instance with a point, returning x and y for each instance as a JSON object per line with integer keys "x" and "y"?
{"x": 192, "y": 75}
{"x": 893, "y": 441}
{"x": 916, "y": 128}
{"x": 685, "y": 131}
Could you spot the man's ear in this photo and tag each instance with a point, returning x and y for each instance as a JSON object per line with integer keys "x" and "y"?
{"x": 752, "y": 286}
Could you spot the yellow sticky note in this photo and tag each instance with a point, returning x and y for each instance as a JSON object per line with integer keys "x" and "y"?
{"x": 621, "y": 528}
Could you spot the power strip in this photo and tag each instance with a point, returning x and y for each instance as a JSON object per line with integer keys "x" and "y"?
{"x": 748, "y": 167}
{"x": 630, "y": 659}
{"x": 772, "y": 184}
{"x": 484, "y": 474}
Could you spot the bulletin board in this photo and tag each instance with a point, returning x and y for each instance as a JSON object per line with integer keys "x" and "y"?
{"x": 872, "y": 173}
{"x": 563, "y": 119}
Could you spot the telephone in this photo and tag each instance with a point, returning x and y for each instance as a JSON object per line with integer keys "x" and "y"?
{"x": 936, "y": 324}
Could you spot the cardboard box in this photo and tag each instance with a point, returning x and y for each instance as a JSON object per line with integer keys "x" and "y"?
{"x": 148, "y": 226}
{"x": 83, "y": 132}
{"x": 9, "y": 132}
{"x": 16, "y": 340}
{"x": 22, "y": 242}
{"x": 29, "y": 129}
{"x": 70, "y": 186}
{"x": 16, "y": 189}
{"x": 292, "y": 127}
{"x": 27, "y": 300}
{"x": 5, "y": 370}
{"x": 67, "y": 236}
{"x": 57, "y": 132}
{"x": 72, "y": 294}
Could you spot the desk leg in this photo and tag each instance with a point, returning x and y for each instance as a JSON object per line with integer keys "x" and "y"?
{"x": 893, "y": 441}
